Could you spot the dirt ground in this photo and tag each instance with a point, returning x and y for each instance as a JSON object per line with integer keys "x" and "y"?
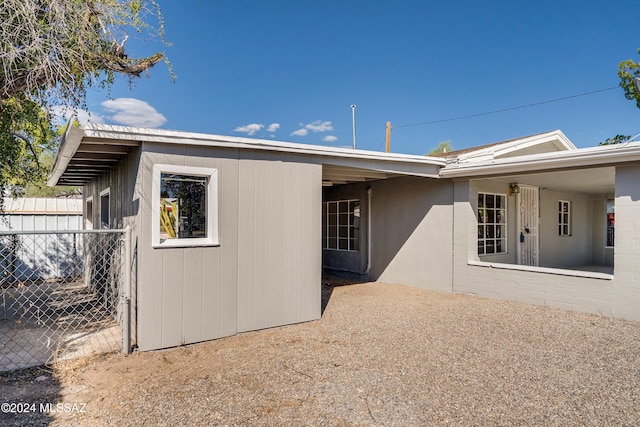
{"x": 381, "y": 355}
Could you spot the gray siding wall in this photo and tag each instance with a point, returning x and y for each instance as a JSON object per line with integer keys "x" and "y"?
{"x": 266, "y": 271}
{"x": 124, "y": 210}
{"x": 279, "y": 246}
{"x": 412, "y": 232}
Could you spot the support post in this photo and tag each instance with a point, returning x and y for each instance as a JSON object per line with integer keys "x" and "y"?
{"x": 126, "y": 294}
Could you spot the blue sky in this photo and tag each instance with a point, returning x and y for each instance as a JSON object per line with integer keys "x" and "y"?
{"x": 290, "y": 70}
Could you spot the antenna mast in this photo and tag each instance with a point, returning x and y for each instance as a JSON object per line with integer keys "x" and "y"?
{"x": 353, "y": 124}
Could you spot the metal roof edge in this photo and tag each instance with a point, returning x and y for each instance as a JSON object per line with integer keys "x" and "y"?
{"x": 181, "y": 137}
{"x": 570, "y": 159}
{"x": 67, "y": 148}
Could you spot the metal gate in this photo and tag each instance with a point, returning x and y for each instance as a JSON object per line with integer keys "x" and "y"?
{"x": 528, "y": 220}
{"x": 63, "y": 294}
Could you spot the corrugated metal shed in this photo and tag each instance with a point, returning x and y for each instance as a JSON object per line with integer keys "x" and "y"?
{"x": 43, "y": 206}
{"x": 35, "y": 213}
{"x": 44, "y": 256}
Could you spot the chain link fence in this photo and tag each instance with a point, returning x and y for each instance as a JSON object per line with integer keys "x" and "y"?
{"x": 63, "y": 295}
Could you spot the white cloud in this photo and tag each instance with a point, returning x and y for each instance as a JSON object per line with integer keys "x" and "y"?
{"x": 273, "y": 127}
{"x": 319, "y": 126}
{"x": 63, "y": 114}
{"x": 249, "y": 129}
{"x": 133, "y": 112}
{"x": 330, "y": 138}
{"x": 315, "y": 126}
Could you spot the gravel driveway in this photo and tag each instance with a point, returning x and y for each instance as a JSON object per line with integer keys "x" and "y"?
{"x": 381, "y": 355}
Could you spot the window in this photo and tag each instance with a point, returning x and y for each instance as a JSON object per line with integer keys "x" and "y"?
{"x": 564, "y": 218}
{"x": 611, "y": 209}
{"x": 185, "y": 206}
{"x": 105, "y": 209}
{"x": 88, "y": 220}
{"x": 341, "y": 225}
{"x": 492, "y": 224}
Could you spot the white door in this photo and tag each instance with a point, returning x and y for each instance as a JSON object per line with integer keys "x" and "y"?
{"x": 527, "y": 227}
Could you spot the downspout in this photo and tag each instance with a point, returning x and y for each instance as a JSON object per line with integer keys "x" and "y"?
{"x": 369, "y": 192}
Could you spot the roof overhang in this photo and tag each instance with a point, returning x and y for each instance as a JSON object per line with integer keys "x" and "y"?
{"x": 86, "y": 153}
{"x": 584, "y": 158}
{"x": 81, "y": 156}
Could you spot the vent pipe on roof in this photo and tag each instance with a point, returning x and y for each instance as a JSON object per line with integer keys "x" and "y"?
{"x": 353, "y": 124}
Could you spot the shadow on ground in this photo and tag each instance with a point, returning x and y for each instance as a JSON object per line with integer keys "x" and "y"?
{"x": 330, "y": 281}
{"x": 29, "y": 396}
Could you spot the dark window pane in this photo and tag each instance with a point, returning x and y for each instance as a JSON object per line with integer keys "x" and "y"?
{"x": 480, "y": 247}
{"x": 343, "y": 244}
{"x": 333, "y": 243}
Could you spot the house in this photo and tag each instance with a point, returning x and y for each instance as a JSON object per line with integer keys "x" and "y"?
{"x": 231, "y": 234}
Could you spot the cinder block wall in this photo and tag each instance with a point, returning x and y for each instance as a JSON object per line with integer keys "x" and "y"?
{"x": 626, "y": 286}
{"x": 590, "y": 295}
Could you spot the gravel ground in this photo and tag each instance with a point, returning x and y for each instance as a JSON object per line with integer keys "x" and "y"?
{"x": 381, "y": 355}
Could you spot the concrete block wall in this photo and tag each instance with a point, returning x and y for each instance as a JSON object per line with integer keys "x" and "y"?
{"x": 535, "y": 286}
{"x": 627, "y": 243}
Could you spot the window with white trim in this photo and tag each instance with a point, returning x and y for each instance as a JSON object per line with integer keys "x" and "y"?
{"x": 341, "y": 225}
{"x": 564, "y": 218}
{"x": 492, "y": 223}
{"x": 185, "y": 206}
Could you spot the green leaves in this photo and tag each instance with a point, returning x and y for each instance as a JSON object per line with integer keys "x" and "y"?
{"x": 628, "y": 71}
{"x": 618, "y": 139}
{"x": 51, "y": 51}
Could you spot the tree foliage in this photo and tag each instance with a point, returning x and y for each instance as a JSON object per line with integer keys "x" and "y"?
{"x": 618, "y": 139}
{"x": 443, "y": 147}
{"x": 628, "y": 71}
{"x": 51, "y": 52}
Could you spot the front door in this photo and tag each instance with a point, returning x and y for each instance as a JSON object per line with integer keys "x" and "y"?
{"x": 527, "y": 227}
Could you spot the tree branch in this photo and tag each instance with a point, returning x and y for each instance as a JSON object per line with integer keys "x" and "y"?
{"x": 130, "y": 69}
{"x": 29, "y": 145}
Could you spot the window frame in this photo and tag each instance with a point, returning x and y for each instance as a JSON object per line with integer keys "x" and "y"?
{"x": 351, "y": 229}
{"x": 562, "y": 231}
{"x": 88, "y": 220}
{"x": 211, "y": 216}
{"x": 101, "y": 224}
{"x": 503, "y": 224}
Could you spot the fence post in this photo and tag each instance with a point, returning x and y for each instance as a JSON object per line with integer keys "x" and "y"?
{"x": 126, "y": 294}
